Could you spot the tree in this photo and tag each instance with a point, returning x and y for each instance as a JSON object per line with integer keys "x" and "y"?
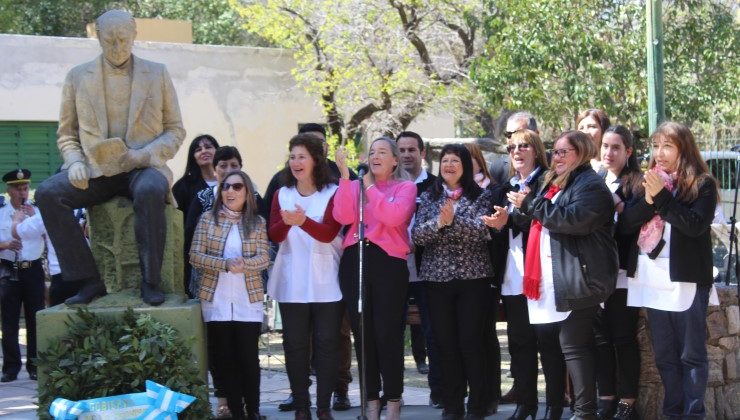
{"x": 214, "y": 21}
{"x": 557, "y": 57}
{"x": 373, "y": 65}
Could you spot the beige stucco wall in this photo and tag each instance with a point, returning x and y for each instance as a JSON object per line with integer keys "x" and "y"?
{"x": 245, "y": 97}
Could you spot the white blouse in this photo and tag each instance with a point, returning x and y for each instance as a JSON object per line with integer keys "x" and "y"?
{"x": 513, "y": 277}
{"x": 542, "y": 310}
{"x": 230, "y": 300}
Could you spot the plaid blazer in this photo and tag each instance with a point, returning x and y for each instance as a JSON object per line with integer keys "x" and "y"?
{"x": 207, "y": 250}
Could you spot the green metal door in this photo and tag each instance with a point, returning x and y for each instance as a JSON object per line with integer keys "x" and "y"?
{"x": 31, "y": 145}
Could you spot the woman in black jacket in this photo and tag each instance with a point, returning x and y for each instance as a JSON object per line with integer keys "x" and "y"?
{"x": 674, "y": 266}
{"x": 528, "y": 162}
{"x": 616, "y": 323}
{"x": 199, "y": 172}
{"x": 571, "y": 263}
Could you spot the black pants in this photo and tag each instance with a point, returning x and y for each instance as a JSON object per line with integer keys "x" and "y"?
{"x": 577, "y": 342}
{"x": 418, "y": 291}
{"x": 618, "y": 370}
{"x": 57, "y": 199}
{"x": 525, "y": 341}
{"x": 386, "y": 283}
{"x": 60, "y": 290}
{"x": 493, "y": 347}
{"x": 458, "y": 309}
{"x": 29, "y": 291}
{"x": 235, "y": 354}
{"x": 305, "y": 324}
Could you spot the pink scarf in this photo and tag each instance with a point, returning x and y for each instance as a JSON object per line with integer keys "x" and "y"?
{"x": 230, "y": 215}
{"x": 652, "y": 231}
{"x": 453, "y": 194}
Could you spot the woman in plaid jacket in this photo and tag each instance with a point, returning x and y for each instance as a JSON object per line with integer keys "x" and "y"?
{"x": 230, "y": 247}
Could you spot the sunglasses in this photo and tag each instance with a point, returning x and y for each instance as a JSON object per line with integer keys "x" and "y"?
{"x": 560, "y": 152}
{"x": 521, "y": 146}
{"x": 508, "y": 134}
{"x": 237, "y": 186}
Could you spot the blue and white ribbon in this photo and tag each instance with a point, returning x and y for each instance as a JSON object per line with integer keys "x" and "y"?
{"x": 157, "y": 403}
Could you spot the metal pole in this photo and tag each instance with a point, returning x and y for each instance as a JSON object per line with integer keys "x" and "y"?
{"x": 360, "y": 299}
{"x": 656, "y": 95}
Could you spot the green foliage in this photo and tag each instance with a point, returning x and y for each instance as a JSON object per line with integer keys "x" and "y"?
{"x": 101, "y": 357}
{"x": 558, "y": 57}
{"x": 214, "y": 21}
{"x": 374, "y": 66}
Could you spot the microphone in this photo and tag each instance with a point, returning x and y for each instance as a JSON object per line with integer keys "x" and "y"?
{"x": 362, "y": 169}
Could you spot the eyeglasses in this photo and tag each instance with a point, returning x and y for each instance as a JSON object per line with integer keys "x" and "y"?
{"x": 560, "y": 152}
{"x": 237, "y": 186}
{"x": 508, "y": 134}
{"x": 521, "y": 146}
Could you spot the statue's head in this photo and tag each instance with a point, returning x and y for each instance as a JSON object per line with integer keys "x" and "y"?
{"x": 116, "y": 32}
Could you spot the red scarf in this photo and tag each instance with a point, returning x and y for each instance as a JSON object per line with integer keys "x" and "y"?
{"x": 532, "y": 263}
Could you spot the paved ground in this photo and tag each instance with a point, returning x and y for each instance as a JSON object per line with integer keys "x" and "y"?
{"x": 18, "y": 398}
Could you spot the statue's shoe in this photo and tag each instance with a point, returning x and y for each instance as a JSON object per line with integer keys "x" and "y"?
{"x": 89, "y": 291}
{"x": 151, "y": 294}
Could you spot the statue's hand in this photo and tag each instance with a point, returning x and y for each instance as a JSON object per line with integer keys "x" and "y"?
{"x": 133, "y": 159}
{"x": 78, "y": 175}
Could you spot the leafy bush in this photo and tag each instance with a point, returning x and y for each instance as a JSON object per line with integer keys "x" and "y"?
{"x": 103, "y": 357}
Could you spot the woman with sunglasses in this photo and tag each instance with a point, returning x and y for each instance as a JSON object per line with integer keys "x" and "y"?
{"x": 230, "y": 247}
{"x": 594, "y": 122}
{"x": 674, "y": 264}
{"x": 457, "y": 268}
{"x": 528, "y": 164}
{"x": 571, "y": 263}
{"x": 390, "y": 201}
{"x": 304, "y": 279}
{"x": 616, "y": 323}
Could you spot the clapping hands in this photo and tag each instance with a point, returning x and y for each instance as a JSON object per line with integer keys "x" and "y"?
{"x": 294, "y": 218}
{"x": 498, "y": 219}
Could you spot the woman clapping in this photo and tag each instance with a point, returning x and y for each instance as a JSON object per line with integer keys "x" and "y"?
{"x": 456, "y": 265}
{"x": 304, "y": 279}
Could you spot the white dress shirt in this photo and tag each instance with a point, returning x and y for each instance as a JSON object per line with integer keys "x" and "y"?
{"x": 33, "y": 246}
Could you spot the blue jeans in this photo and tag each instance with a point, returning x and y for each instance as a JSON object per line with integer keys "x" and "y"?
{"x": 679, "y": 341}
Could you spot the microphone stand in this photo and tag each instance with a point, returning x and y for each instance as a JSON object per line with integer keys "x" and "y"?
{"x": 361, "y": 294}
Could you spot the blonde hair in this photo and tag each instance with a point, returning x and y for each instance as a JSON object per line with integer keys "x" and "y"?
{"x": 398, "y": 171}
{"x": 533, "y": 139}
{"x": 584, "y": 148}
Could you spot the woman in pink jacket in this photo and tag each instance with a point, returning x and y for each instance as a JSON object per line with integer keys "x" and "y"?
{"x": 390, "y": 201}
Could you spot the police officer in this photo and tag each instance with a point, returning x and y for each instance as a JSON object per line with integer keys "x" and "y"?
{"x": 24, "y": 283}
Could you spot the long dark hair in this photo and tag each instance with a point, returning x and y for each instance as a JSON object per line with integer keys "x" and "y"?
{"x": 471, "y": 190}
{"x": 249, "y": 214}
{"x": 321, "y": 175}
{"x": 192, "y": 170}
{"x": 631, "y": 175}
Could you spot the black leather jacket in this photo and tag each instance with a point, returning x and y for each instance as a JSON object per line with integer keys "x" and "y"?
{"x": 584, "y": 254}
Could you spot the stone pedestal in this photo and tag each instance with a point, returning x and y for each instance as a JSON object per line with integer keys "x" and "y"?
{"x": 183, "y": 315}
{"x": 722, "y": 399}
{"x": 113, "y": 244}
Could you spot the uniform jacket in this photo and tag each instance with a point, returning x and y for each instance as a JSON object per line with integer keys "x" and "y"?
{"x": 154, "y": 121}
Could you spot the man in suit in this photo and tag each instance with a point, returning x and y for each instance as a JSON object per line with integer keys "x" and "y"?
{"x": 119, "y": 124}
{"x": 412, "y": 152}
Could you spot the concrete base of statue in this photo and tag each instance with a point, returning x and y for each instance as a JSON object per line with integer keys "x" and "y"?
{"x": 182, "y": 314}
{"x": 113, "y": 244}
